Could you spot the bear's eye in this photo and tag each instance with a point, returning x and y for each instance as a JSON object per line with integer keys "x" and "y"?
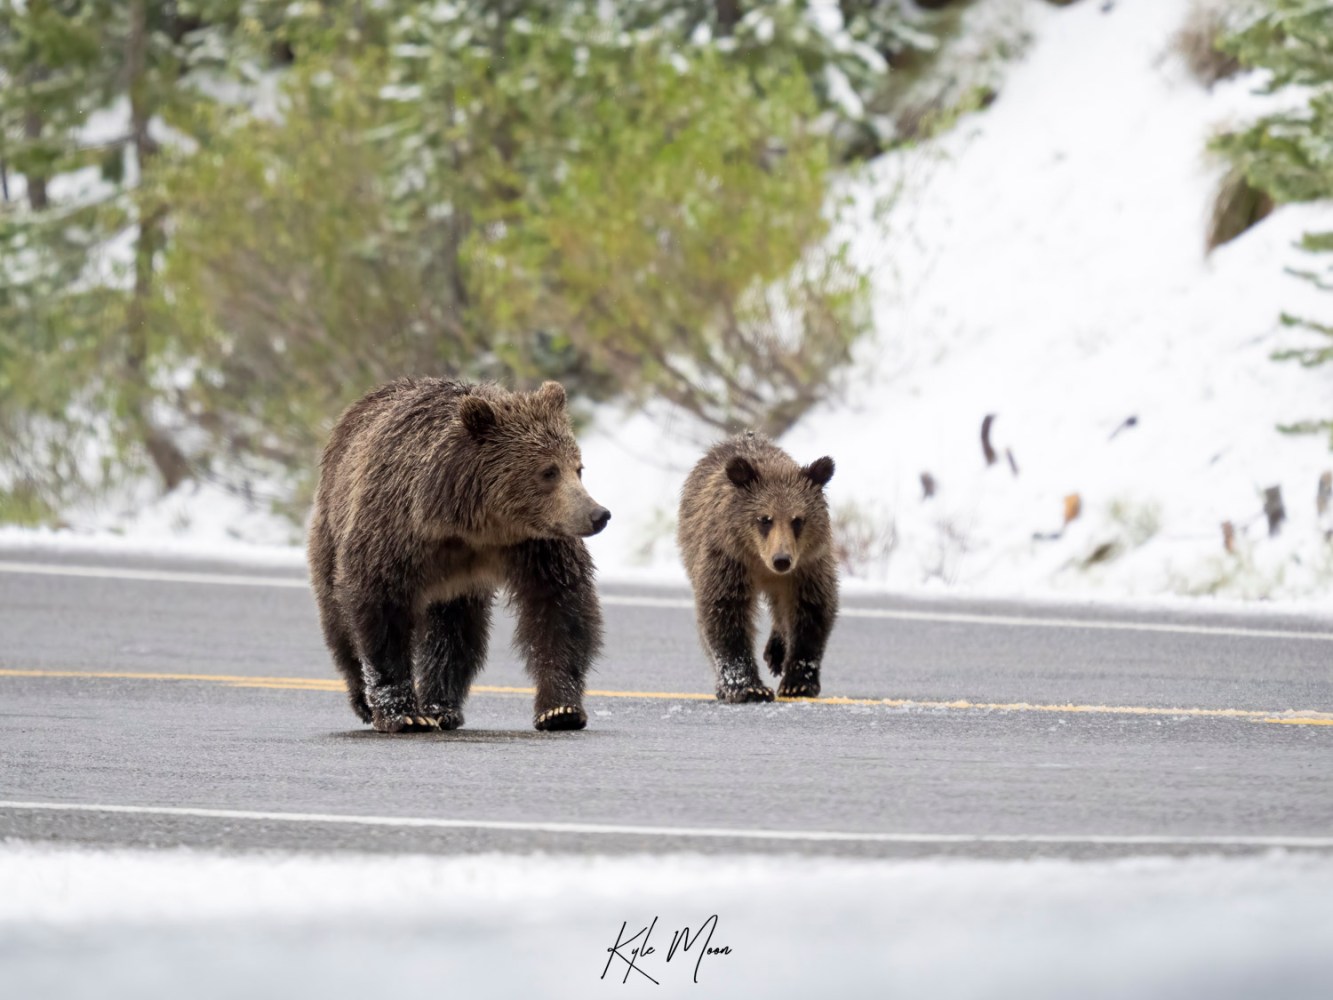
{"x": 580, "y": 472}
{"x": 551, "y": 473}
{"x": 765, "y": 524}
{"x": 797, "y": 523}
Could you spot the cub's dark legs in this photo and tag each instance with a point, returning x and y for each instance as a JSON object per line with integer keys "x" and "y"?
{"x": 451, "y": 654}
{"x": 807, "y": 621}
{"x": 559, "y": 629}
{"x": 382, "y": 631}
{"x": 724, "y": 603}
{"x": 775, "y": 650}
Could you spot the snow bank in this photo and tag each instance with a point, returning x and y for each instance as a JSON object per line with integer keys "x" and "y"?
{"x": 76, "y": 924}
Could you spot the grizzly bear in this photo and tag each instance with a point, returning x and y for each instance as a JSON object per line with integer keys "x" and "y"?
{"x": 432, "y": 494}
{"x": 753, "y": 521}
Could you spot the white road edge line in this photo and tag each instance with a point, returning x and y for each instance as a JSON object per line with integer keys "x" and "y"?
{"x": 637, "y": 601}
{"x": 696, "y": 833}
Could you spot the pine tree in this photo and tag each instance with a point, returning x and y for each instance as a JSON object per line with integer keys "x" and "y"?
{"x": 1289, "y": 154}
{"x": 91, "y": 92}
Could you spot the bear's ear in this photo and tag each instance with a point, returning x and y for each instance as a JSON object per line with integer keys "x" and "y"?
{"x": 820, "y": 471}
{"x": 552, "y": 394}
{"x": 742, "y": 473}
{"x": 477, "y": 415}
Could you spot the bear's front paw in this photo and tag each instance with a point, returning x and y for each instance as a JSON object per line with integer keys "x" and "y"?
{"x": 740, "y": 695}
{"x": 443, "y": 716}
{"x": 396, "y": 722}
{"x": 802, "y": 681}
{"x": 561, "y": 717}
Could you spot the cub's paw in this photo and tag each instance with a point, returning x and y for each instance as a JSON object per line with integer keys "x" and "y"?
{"x": 774, "y": 653}
{"x": 799, "y": 687}
{"x": 443, "y": 716}
{"x": 743, "y": 694}
{"x": 561, "y": 717}
{"x": 394, "y": 722}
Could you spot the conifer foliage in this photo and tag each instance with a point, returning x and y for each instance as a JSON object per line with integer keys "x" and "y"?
{"x": 1289, "y": 154}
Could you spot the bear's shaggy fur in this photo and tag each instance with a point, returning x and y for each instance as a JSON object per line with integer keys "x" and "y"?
{"x": 431, "y": 495}
{"x": 754, "y": 522}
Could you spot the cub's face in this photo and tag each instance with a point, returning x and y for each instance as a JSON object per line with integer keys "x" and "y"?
{"x": 533, "y": 471}
{"x": 785, "y": 515}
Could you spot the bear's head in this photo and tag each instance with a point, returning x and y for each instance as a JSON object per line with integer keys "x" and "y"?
{"x": 529, "y": 468}
{"x": 783, "y": 510}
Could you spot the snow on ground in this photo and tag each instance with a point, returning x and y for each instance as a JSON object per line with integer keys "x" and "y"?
{"x": 1044, "y": 263}
{"x": 77, "y": 923}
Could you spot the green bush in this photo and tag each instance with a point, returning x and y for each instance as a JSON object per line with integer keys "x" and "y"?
{"x": 637, "y": 224}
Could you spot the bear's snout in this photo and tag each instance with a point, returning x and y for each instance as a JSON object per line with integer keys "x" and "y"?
{"x": 782, "y": 562}
{"x": 599, "y": 518}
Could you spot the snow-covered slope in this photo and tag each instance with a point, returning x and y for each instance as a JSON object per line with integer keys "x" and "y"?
{"x": 1044, "y": 263}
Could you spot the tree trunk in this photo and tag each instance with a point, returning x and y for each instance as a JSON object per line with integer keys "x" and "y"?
{"x": 728, "y": 14}
{"x": 170, "y": 462}
{"x": 32, "y": 129}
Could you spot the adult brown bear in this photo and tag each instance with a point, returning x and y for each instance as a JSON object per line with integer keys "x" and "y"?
{"x": 432, "y": 494}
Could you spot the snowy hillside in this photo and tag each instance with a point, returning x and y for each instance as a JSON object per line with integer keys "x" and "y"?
{"x": 1044, "y": 263}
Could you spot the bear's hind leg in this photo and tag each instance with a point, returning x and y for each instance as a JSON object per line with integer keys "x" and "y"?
{"x": 349, "y": 665}
{"x": 559, "y": 625}
{"x": 383, "y": 632}
{"x": 774, "y": 653}
{"x": 336, "y": 636}
{"x": 724, "y": 602}
{"x": 452, "y": 653}
{"x": 775, "y": 650}
{"x": 344, "y": 655}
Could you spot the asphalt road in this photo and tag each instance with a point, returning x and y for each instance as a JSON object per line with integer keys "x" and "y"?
{"x": 947, "y": 727}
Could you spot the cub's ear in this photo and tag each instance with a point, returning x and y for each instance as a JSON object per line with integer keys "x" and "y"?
{"x": 552, "y": 394}
{"x": 478, "y": 416}
{"x": 742, "y": 473}
{"x": 820, "y": 471}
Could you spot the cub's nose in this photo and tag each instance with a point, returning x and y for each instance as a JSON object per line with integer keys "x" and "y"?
{"x": 599, "y": 518}
{"x": 782, "y": 562}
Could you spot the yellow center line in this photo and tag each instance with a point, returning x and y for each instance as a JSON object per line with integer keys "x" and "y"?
{"x": 1304, "y": 717}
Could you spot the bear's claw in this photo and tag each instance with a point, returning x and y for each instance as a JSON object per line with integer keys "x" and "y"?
{"x": 743, "y": 695}
{"x": 442, "y": 717}
{"x": 562, "y": 717}
{"x": 390, "y": 722}
{"x": 808, "y": 690}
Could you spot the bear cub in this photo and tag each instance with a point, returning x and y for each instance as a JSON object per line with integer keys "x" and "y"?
{"x": 753, "y": 521}
{"x": 432, "y": 495}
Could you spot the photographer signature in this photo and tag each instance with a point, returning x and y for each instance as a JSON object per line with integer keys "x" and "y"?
{"x": 634, "y": 949}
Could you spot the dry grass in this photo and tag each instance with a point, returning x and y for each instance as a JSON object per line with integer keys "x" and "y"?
{"x": 1197, "y": 41}
{"x": 863, "y": 539}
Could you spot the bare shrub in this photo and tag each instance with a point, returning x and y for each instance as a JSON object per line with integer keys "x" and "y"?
{"x": 863, "y": 538}
{"x": 1196, "y": 42}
